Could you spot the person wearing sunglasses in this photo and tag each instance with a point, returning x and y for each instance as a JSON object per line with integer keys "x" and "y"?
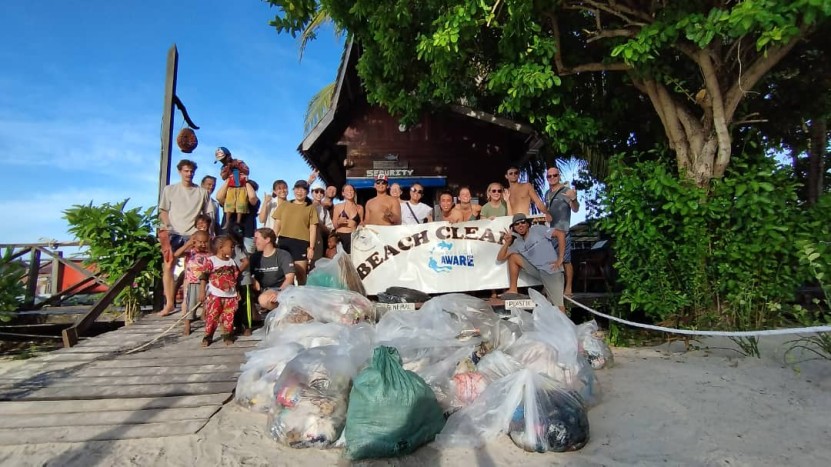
{"x": 383, "y": 209}
{"x": 497, "y": 205}
{"x": 562, "y": 201}
{"x": 413, "y": 211}
{"x": 529, "y": 247}
{"x": 325, "y": 225}
{"x": 523, "y": 194}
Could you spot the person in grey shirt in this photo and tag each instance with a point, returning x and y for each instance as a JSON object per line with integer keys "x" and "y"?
{"x": 561, "y": 202}
{"x": 528, "y": 247}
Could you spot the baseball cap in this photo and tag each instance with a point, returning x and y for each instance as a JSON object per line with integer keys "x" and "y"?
{"x": 382, "y": 177}
{"x": 302, "y": 184}
{"x": 221, "y": 153}
{"x": 519, "y": 217}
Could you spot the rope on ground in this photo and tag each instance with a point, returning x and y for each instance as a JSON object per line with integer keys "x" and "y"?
{"x": 692, "y": 332}
{"x": 161, "y": 334}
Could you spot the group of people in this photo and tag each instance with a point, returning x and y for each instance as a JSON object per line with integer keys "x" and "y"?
{"x": 251, "y": 264}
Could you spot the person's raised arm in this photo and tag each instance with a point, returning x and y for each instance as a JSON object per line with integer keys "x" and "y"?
{"x": 538, "y": 202}
{"x": 507, "y": 240}
{"x": 252, "y": 195}
{"x": 261, "y": 216}
{"x": 184, "y": 248}
{"x": 223, "y": 192}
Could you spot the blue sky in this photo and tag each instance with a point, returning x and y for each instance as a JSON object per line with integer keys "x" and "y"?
{"x": 81, "y": 92}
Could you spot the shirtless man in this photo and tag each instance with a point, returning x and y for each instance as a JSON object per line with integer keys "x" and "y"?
{"x": 383, "y": 209}
{"x": 446, "y": 211}
{"x": 521, "y": 195}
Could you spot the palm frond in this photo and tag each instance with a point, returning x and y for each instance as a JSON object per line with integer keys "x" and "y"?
{"x": 320, "y": 18}
{"x": 318, "y": 106}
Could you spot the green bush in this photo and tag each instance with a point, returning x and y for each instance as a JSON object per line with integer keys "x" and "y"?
{"x": 115, "y": 239}
{"x": 11, "y": 289}
{"x": 723, "y": 257}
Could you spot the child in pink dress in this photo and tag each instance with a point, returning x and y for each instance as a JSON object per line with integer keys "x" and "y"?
{"x": 197, "y": 254}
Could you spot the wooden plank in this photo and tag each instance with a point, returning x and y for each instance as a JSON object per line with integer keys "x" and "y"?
{"x": 121, "y": 417}
{"x": 32, "y": 279}
{"x": 17, "y": 436}
{"x": 161, "y": 362}
{"x": 154, "y": 370}
{"x": 109, "y": 392}
{"x": 90, "y": 381}
{"x": 170, "y": 353}
{"x": 101, "y": 405}
{"x": 70, "y": 335}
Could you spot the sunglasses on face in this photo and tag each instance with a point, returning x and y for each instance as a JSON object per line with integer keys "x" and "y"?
{"x": 553, "y": 175}
{"x": 414, "y": 190}
{"x": 513, "y": 172}
{"x": 380, "y": 182}
{"x": 496, "y": 191}
{"x": 317, "y": 190}
{"x": 520, "y": 223}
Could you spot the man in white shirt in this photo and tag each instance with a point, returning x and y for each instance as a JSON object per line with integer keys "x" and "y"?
{"x": 413, "y": 211}
{"x": 178, "y": 208}
{"x": 209, "y": 184}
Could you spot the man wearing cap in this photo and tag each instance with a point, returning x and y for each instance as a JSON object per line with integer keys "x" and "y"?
{"x": 383, "y": 209}
{"x": 529, "y": 247}
{"x": 296, "y": 225}
{"x": 235, "y": 172}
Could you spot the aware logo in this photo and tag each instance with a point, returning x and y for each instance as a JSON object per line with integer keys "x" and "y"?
{"x": 442, "y": 260}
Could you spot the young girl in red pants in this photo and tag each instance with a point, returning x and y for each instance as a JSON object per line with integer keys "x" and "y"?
{"x": 222, "y": 299}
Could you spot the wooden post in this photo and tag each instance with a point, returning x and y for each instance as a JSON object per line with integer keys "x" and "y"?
{"x": 167, "y": 143}
{"x": 55, "y": 277}
{"x": 32, "y": 279}
{"x": 167, "y": 116}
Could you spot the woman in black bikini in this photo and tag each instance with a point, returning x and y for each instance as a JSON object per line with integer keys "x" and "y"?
{"x": 347, "y": 216}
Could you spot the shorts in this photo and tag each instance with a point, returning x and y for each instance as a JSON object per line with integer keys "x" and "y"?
{"x": 236, "y": 200}
{"x": 346, "y": 241}
{"x": 178, "y": 241}
{"x": 567, "y": 255}
{"x": 192, "y": 297}
{"x": 296, "y": 248}
{"x": 170, "y": 242}
{"x": 554, "y": 284}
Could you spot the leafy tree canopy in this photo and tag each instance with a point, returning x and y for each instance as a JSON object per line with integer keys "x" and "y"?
{"x": 589, "y": 74}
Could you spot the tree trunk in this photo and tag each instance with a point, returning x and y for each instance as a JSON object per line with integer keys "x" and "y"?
{"x": 816, "y": 158}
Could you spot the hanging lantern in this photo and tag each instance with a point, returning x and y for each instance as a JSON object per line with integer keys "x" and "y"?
{"x": 186, "y": 140}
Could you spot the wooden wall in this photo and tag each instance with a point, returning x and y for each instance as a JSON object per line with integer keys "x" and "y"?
{"x": 465, "y": 150}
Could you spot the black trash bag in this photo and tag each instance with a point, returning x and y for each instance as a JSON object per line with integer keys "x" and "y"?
{"x": 408, "y": 295}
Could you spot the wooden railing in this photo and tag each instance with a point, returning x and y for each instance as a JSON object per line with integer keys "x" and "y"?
{"x": 36, "y": 251}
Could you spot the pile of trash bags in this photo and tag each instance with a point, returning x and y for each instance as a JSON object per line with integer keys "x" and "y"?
{"x": 330, "y": 373}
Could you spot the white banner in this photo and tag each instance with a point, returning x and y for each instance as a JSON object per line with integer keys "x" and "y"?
{"x": 437, "y": 257}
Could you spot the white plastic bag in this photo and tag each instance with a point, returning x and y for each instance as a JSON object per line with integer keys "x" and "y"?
{"x": 255, "y": 386}
{"x": 338, "y": 273}
{"x": 537, "y": 414}
{"x": 593, "y": 345}
{"x": 309, "y": 303}
{"x": 311, "y": 398}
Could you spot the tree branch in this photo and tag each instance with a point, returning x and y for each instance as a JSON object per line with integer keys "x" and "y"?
{"x": 756, "y": 71}
{"x": 720, "y": 122}
{"x": 606, "y": 33}
{"x": 563, "y": 70}
{"x": 623, "y": 12}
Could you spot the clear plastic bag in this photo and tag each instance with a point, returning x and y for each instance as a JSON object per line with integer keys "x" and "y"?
{"x": 497, "y": 365}
{"x": 311, "y": 398}
{"x": 310, "y": 303}
{"x": 337, "y": 273}
{"x": 475, "y": 315}
{"x": 593, "y": 345}
{"x": 255, "y": 386}
{"x": 530, "y": 407}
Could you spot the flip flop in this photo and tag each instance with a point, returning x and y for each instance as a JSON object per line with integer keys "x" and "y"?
{"x": 513, "y": 296}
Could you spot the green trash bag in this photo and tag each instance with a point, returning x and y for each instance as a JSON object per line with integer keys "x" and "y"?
{"x": 391, "y": 411}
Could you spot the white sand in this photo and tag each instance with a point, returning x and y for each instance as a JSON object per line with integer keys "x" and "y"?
{"x": 706, "y": 407}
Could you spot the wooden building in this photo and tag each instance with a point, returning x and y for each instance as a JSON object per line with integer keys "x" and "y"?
{"x": 459, "y": 146}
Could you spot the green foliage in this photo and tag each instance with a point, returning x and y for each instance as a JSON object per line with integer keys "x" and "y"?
{"x": 550, "y": 63}
{"x": 115, "y": 238}
{"x": 815, "y": 256}
{"x": 725, "y": 257}
{"x": 11, "y": 289}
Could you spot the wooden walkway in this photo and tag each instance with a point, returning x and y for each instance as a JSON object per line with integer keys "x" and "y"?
{"x": 98, "y": 391}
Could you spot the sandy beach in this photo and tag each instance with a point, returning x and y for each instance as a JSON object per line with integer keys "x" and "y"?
{"x": 660, "y": 406}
